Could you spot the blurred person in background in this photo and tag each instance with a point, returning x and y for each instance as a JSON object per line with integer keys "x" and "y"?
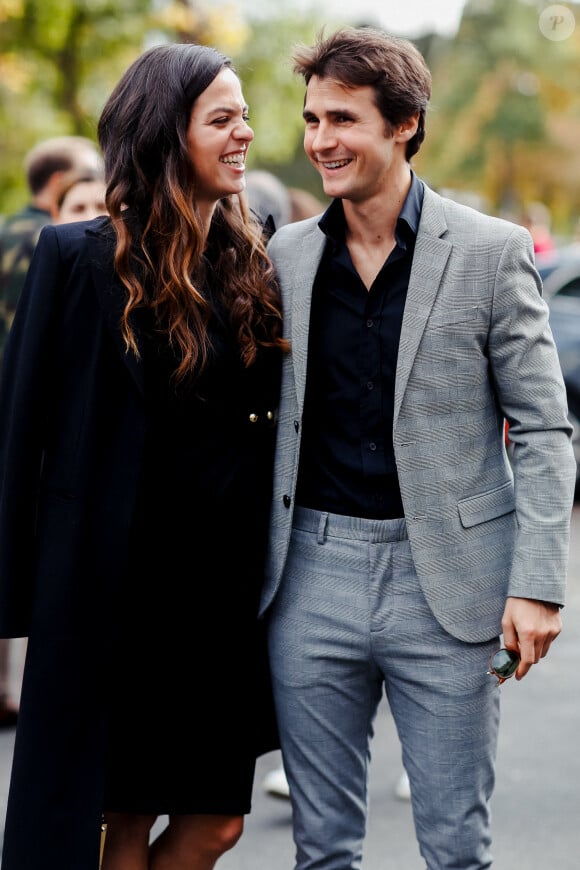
{"x": 537, "y": 220}
{"x": 137, "y": 425}
{"x": 403, "y": 541}
{"x": 304, "y": 204}
{"x": 44, "y": 165}
{"x": 269, "y": 198}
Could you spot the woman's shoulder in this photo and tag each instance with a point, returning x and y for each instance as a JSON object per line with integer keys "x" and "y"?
{"x": 94, "y": 239}
{"x": 75, "y": 231}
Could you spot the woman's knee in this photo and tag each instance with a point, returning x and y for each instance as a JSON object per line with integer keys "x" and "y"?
{"x": 219, "y": 833}
{"x": 230, "y": 831}
{"x": 212, "y": 835}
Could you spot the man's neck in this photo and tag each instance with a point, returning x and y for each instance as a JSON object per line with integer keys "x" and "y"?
{"x": 376, "y": 218}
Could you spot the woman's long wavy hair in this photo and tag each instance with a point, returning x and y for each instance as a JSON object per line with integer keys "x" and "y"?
{"x": 151, "y": 198}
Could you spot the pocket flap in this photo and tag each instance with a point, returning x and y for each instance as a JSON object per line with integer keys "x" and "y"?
{"x": 487, "y": 505}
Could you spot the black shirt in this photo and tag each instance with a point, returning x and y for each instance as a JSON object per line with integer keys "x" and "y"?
{"x": 347, "y": 461}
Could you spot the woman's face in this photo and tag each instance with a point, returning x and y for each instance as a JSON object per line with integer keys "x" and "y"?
{"x": 219, "y": 137}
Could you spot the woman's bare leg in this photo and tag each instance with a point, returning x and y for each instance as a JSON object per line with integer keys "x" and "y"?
{"x": 194, "y": 842}
{"x": 127, "y": 841}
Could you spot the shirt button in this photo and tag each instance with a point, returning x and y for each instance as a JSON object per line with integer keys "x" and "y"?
{"x": 372, "y": 445}
{"x": 370, "y": 385}
{"x": 370, "y": 323}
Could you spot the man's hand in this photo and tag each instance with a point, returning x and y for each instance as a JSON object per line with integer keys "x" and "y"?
{"x": 529, "y": 627}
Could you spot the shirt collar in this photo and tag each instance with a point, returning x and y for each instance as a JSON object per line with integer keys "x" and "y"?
{"x": 332, "y": 222}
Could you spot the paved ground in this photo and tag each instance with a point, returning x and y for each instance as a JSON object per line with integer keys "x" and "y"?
{"x": 536, "y": 804}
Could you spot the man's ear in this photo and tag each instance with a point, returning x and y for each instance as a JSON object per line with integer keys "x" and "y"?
{"x": 407, "y": 129}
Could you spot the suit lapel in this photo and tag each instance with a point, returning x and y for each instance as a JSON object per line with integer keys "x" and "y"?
{"x": 112, "y": 296}
{"x": 429, "y": 260}
{"x": 302, "y": 282}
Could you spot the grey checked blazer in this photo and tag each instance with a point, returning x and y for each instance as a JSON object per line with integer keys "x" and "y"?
{"x": 475, "y": 348}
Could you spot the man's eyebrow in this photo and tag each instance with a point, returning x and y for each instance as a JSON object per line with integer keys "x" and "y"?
{"x": 307, "y": 113}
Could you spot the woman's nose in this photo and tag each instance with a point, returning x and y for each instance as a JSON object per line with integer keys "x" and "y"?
{"x": 244, "y": 131}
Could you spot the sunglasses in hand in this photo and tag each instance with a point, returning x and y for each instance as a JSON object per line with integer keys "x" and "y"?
{"x": 503, "y": 664}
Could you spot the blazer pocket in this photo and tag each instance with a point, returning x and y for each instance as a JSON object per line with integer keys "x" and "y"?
{"x": 487, "y": 505}
{"x": 451, "y": 316}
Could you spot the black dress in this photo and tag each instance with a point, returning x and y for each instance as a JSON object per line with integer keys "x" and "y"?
{"x": 190, "y": 695}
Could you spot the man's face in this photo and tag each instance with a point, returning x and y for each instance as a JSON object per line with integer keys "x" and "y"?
{"x": 347, "y": 140}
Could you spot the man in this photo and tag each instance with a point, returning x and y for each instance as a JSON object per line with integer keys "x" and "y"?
{"x": 269, "y": 198}
{"x": 45, "y": 166}
{"x": 403, "y": 540}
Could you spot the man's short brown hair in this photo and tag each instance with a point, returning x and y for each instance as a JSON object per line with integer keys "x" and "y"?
{"x": 60, "y": 154}
{"x": 392, "y": 66}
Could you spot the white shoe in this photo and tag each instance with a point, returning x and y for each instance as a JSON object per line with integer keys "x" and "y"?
{"x": 275, "y": 783}
{"x": 403, "y": 787}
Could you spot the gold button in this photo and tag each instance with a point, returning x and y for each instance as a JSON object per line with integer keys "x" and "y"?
{"x": 253, "y": 418}
{"x": 270, "y": 415}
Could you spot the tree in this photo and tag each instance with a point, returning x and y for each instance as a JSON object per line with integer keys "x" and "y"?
{"x": 504, "y": 118}
{"x": 505, "y": 115}
{"x": 61, "y": 58}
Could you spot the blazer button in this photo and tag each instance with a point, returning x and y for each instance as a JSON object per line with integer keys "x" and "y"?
{"x": 287, "y": 501}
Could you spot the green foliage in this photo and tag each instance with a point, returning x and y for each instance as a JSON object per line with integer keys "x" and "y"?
{"x": 504, "y": 120}
{"x": 60, "y": 59}
{"x": 503, "y": 94}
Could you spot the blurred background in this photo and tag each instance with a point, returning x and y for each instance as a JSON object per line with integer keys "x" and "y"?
{"x": 503, "y": 127}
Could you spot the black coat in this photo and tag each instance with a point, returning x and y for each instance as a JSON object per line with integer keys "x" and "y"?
{"x": 72, "y": 429}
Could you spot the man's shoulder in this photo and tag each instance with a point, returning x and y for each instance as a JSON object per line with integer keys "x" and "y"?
{"x": 293, "y": 234}
{"x": 23, "y": 224}
{"x": 465, "y": 219}
{"x": 18, "y": 238}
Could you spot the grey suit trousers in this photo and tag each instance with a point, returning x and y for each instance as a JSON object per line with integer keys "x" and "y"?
{"x": 349, "y": 620}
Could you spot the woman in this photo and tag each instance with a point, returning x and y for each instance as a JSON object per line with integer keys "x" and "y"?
{"x": 81, "y": 197}
{"x": 137, "y": 416}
